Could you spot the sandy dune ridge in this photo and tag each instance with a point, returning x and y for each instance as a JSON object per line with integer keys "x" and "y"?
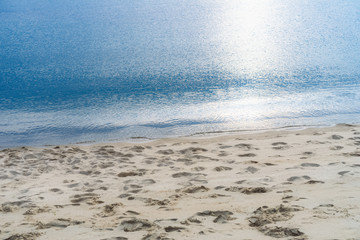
{"x": 280, "y": 184}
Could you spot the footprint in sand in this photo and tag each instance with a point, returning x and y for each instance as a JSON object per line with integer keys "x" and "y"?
{"x": 148, "y": 181}
{"x": 56, "y": 190}
{"x": 244, "y": 146}
{"x": 247, "y": 155}
{"x": 354, "y": 138}
{"x": 352, "y": 154}
{"x": 124, "y": 195}
{"x": 88, "y": 198}
{"x": 198, "y": 169}
{"x": 182, "y": 174}
{"x": 310, "y": 165}
{"x": 222, "y": 168}
{"x": 280, "y": 145}
{"x": 165, "y": 152}
{"x": 115, "y": 238}
{"x": 314, "y": 182}
{"x": 155, "y": 236}
{"x": 186, "y": 161}
{"x": 193, "y": 150}
{"x": 135, "y": 224}
{"x": 224, "y": 146}
{"x": 240, "y": 182}
{"x": 156, "y": 202}
{"x": 13, "y": 206}
{"x": 336, "y": 163}
{"x": 133, "y": 188}
{"x": 131, "y": 173}
{"x": 325, "y": 211}
{"x": 104, "y": 165}
{"x": 195, "y": 176}
{"x": 264, "y": 215}
{"x": 27, "y": 236}
{"x": 270, "y": 164}
{"x": 281, "y": 232}
{"x": 149, "y": 160}
{"x": 87, "y": 172}
{"x": 59, "y": 223}
{"x": 160, "y": 146}
{"x": 336, "y": 148}
{"x": 109, "y": 210}
{"x": 174, "y": 229}
{"x": 223, "y": 154}
{"x": 251, "y": 169}
{"x": 342, "y": 173}
{"x": 298, "y": 178}
{"x": 307, "y": 153}
{"x": 196, "y": 189}
{"x": 137, "y": 149}
{"x": 36, "y": 210}
{"x": 336, "y": 137}
{"x": 220, "y": 216}
{"x": 247, "y": 190}
{"x": 130, "y": 212}
{"x": 72, "y": 185}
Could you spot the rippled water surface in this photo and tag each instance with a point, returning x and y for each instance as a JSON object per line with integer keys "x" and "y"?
{"x": 88, "y": 70}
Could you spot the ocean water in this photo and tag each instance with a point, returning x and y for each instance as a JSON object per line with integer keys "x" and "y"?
{"x": 87, "y": 70}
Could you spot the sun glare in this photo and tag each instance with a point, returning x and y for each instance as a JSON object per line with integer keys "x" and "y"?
{"x": 246, "y": 34}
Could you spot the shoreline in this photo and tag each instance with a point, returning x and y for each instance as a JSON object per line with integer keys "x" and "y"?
{"x": 290, "y": 184}
{"x": 195, "y": 135}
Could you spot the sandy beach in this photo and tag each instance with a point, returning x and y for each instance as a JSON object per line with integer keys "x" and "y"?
{"x": 279, "y": 184}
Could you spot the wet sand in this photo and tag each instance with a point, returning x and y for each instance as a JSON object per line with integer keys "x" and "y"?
{"x": 280, "y": 184}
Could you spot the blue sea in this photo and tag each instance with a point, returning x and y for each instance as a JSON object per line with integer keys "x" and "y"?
{"x": 113, "y": 70}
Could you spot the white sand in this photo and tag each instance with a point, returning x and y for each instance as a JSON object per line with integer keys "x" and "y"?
{"x": 289, "y": 184}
